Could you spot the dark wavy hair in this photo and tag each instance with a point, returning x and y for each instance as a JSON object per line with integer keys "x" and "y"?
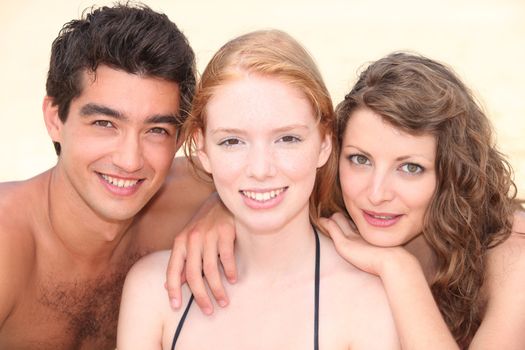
{"x": 471, "y": 209}
{"x": 130, "y": 37}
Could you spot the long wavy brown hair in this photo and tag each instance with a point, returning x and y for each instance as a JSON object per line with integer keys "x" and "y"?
{"x": 471, "y": 209}
{"x": 274, "y": 54}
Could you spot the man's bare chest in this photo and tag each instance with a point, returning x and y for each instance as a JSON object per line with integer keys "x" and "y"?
{"x": 70, "y": 312}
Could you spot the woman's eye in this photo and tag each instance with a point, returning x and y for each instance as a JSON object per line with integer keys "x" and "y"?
{"x": 359, "y": 159}
{"x": 411, "y": 168}
{"x": 103, "y": 123}
{"x": 230, "y": 142}
{"x": 289, "y": 139}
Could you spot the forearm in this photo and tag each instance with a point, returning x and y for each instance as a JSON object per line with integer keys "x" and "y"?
{"x": 418, "y": 320}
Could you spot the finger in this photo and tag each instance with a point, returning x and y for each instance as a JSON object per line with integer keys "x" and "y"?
{"x": 226, "y": 253}
{"x": 194, "y": 276}
{"x": 343, "y": 245}
{"x": 173, "y": 275}
{"x": 344, "y": 223}
{"x": 333, "y": 230}
{"x": 212, "y": 273}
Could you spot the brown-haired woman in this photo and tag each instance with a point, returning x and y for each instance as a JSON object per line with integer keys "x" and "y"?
{"x": 433, "y": 202}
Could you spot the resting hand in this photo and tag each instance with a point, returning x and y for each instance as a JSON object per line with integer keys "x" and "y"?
{"x": 354, "y": 249}
{"x": 206, "y": 239}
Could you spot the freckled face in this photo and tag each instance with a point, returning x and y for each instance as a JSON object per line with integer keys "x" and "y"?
{"x": 262, "y": 145}
{"x": 387, "y": 178}
{"x": 118, "y": 141}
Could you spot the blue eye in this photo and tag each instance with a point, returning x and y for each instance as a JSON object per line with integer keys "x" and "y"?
{"x": 411, "y": 168}
{"x": 230, "y": 142}
{"x": 359, "y": 159}
{"x": 103, "y": 123}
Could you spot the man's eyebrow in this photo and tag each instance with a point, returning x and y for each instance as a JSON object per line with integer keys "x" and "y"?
{"x": 91, "y": 109}
{"x": 164, "y": 119}
{"x": 95, "y": 109}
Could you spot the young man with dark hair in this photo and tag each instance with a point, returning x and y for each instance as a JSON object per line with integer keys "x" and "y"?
{"x": 119, "y": 86}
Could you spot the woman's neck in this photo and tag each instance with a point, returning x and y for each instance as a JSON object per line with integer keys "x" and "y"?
{"x": 273, "y": 253}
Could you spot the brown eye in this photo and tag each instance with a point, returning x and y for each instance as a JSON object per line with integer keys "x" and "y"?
{"x": 289, "y": 139}
{"x": 103, "y": 123}
{"x": 230, "y": 142}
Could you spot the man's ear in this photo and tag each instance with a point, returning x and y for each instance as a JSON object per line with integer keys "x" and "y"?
{"x": 51, "y": 119}
{"x": 326, "y": 149}
{"x": 201, "y": 151}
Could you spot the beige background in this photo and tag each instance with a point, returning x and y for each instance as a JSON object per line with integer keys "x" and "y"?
{"x": 484, "y": 41}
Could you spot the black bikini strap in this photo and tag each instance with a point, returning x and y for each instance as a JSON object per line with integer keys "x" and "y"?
{"x": 181, "y": 323}
{"x": 316, "y": 301}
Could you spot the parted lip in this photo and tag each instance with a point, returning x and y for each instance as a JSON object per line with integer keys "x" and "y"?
{"x": 380, "y": 214}
{"x": 119, "y": 177}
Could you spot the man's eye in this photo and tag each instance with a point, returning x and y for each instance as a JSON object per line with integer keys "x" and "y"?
{"x": 160, "y": 131}
{"x": 359, "y": 159}
{"x": 103, "y": 123}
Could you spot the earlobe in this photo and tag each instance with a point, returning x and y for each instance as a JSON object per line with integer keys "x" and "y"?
{"x": 326, "y": 150}
{"x": 201, "y": 152}
{"x": 51, "y": 119}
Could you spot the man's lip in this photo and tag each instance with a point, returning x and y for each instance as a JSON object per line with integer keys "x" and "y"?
{"x": 120, "y": 185}
{"x": 120, "y": 177}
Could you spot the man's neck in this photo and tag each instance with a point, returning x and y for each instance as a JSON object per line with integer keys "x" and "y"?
{"x": 83, "y": 234}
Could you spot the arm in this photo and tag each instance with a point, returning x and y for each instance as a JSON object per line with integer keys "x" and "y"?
{"x": 207, "y": 239}
{"x": 418, "y": 321}
{"x": 143, "y": 301}
{"x": 503, "y": 326}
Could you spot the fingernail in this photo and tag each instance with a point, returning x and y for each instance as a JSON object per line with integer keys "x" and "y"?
{"x": 222, "y": 302}
{"x": 175, "y": 303}
{"x": 207, "y": 310}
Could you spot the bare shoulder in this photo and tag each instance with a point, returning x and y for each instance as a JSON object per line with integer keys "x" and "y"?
{"x": 150, "y": 268}
{"x": 183, "y": 187}
{"x": 358, "y": 301}
{"x": 508, "y": 258}
{"x": 173, "y": 206}
{"x": 17, "y": 244}
{"x": 502, "y": 324}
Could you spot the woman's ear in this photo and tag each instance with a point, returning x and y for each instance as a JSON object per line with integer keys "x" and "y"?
{"x": 326, "y": 149}
{"x": 51, "y": 119}
{"x": 201, "y": 150}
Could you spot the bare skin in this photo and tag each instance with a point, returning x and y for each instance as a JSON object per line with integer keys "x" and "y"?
{"x": 66, "y": 248}
{"x": 405, "y": 271}
{"x": 354, "y": 308}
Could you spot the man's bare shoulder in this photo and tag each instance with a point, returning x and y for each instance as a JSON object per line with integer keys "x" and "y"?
{"x": 173, "y": 206}
{"x": 17, "y": 241}
{"x": 183, "y": 186}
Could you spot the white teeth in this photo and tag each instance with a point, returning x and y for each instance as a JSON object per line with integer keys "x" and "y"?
{"x": 263, "y": 196}
{"x": 383, "y": 217}
{"x": 119, "y": 182}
